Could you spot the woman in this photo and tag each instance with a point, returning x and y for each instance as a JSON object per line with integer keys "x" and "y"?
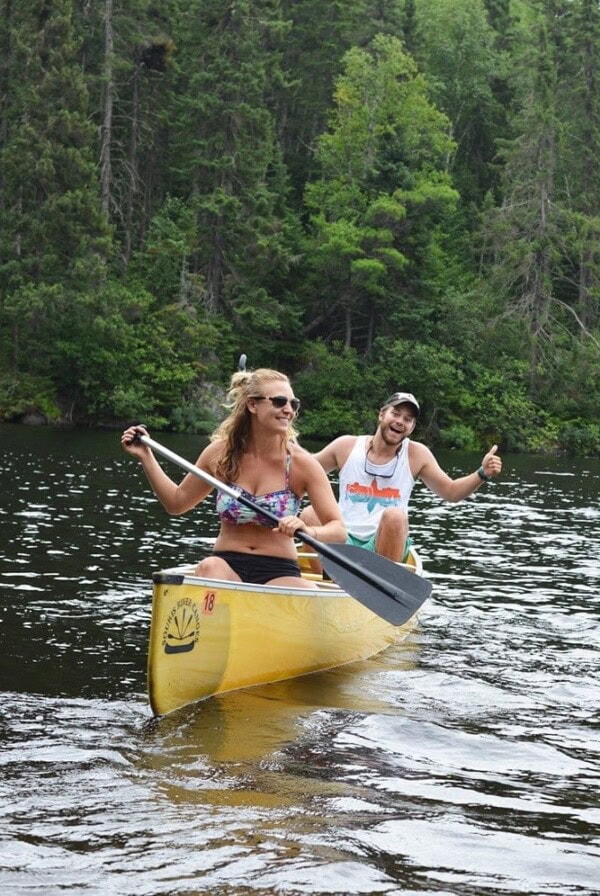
{"x": 255, "y": 450}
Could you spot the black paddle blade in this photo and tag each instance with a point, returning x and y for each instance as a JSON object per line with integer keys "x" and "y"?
{"x": 391, "y": 591}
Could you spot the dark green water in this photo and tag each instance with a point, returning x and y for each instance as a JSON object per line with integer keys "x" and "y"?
{"x": 465, "y": 761}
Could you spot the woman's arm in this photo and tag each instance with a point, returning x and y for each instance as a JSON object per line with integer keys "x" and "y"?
{"x": 176, "y": 499}
{"x": 320, "y": 494}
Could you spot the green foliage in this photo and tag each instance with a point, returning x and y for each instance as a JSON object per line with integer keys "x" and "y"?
{"x": 470, "y": 407}
{"x": 414, "y": 184}
{"x": 226, "y": 158}
{"x": 580, "y": 437}
{"x": 51, "y": 227}
{"x": 573, "y": 387}
{"x": 432, "y": 372}
{"x": 505, "y": 415}
{"x": 381, "y": 184}
{"x": 457, "y": 47}
{"x": 163, "y": 263}
{"x": 190, "y": 417}
{"x": 331, "y": 388}
{"x": 332, "y": 418}
{"x": 124, "y": 358}
{"x": 460, "y": 436}
{"x": 23, "y": 394}
{"x": 319, "y": 35}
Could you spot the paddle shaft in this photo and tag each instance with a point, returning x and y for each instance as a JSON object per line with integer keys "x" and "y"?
{"x": 326, "y": 550}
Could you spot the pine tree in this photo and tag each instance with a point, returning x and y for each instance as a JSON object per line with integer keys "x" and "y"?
{"x": 226, "y": 161}
{"x": 455, "y": 46}
{"x": 128, "y": 52}
{"x": 381, "y": 190}
{"x": 580, "y": 156}
{"x": 53, "y": 238}
{"x": 546, "y": 231}
{"x": 320, "y": 35}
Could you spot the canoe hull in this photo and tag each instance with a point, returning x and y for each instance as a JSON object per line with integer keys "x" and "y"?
{"x": 209, "y": 636}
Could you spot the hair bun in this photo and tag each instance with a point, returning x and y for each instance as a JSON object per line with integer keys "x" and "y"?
{"x": 240, "y": 378}
{"x": 240, "y": 381}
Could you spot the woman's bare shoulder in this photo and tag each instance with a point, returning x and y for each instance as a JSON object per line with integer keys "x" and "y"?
{"x": 213, "y": 453}
{"x": 303, "y": 461}
{"x": 300, "y": 455}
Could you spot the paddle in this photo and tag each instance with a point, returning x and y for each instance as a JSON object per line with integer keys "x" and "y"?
{"x": 390, "y": 591}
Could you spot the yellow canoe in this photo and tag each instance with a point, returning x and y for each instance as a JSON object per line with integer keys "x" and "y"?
{"x": 208, "y": 636}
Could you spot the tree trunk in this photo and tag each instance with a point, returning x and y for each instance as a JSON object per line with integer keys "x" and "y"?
{"x": 371, "y": 329}
{"x": 587, "y": 265}
{"x": 133, "y": 175}
{"x": 107, "y": 122}
{"x": 348, "y": 326}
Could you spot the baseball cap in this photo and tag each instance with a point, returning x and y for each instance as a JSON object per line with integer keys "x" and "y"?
{"x": 402, "y": 398}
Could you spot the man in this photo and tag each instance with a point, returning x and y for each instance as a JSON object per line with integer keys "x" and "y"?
{"x": 377, "y": 475}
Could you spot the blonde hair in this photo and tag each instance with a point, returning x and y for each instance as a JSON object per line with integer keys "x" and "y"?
{"x": 234, "y": 431}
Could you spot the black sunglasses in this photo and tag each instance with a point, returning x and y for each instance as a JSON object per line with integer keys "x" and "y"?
{"x": 280, "y": 401}
{"x": 370, "y": 470}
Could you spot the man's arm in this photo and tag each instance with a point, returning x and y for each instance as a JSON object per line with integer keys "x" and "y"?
{"x": 427, "y": 468}
{"x": 334, "y": 455}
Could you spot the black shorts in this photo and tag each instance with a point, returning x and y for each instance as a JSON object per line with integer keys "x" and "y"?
{"x": 258, "y": 569}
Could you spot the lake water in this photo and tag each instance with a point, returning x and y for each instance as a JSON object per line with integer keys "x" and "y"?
{"x": 462, "y": 761}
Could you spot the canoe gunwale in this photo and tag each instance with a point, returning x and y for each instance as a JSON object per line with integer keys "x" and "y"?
{"x": 183, "y": 576}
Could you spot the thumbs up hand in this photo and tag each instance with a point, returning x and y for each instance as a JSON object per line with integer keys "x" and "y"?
{"x": 492, "y": 462}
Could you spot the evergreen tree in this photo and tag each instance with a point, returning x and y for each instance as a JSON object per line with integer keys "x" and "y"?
{"x": 455, "y": 46}
{"x": 53, "y": 238}
{"x": 382, "y": 188}
{"x": 226, "y": 161}
{"x": 372, "y": 17}
{"x": 580, "y": 158}
{"x": 320, "y": 35}
{"x": 128, "y": 51}
{"x": 545, "y": 232}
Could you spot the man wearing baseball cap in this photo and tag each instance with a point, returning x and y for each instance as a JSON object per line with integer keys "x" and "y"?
{"x": 377, "y": 475}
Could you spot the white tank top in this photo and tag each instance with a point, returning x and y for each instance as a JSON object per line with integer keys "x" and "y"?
{"x": 365, "y": 493}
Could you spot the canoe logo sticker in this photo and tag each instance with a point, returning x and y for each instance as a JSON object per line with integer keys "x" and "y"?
{"x": 182, "y": 628}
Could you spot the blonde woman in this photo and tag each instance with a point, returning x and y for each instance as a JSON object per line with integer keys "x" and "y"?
{"x": 255, "y": 450}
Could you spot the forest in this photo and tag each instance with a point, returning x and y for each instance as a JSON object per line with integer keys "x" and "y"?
{"x": 370, "y": 195}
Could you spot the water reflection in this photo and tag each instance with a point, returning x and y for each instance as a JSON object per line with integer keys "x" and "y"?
{"x": 251, "y": 725}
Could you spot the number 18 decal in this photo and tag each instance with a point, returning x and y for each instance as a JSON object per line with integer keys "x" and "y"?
{"x": 208, "y": 604}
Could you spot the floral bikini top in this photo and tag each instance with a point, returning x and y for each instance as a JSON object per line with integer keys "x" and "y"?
{"x": 285, "y": 502}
